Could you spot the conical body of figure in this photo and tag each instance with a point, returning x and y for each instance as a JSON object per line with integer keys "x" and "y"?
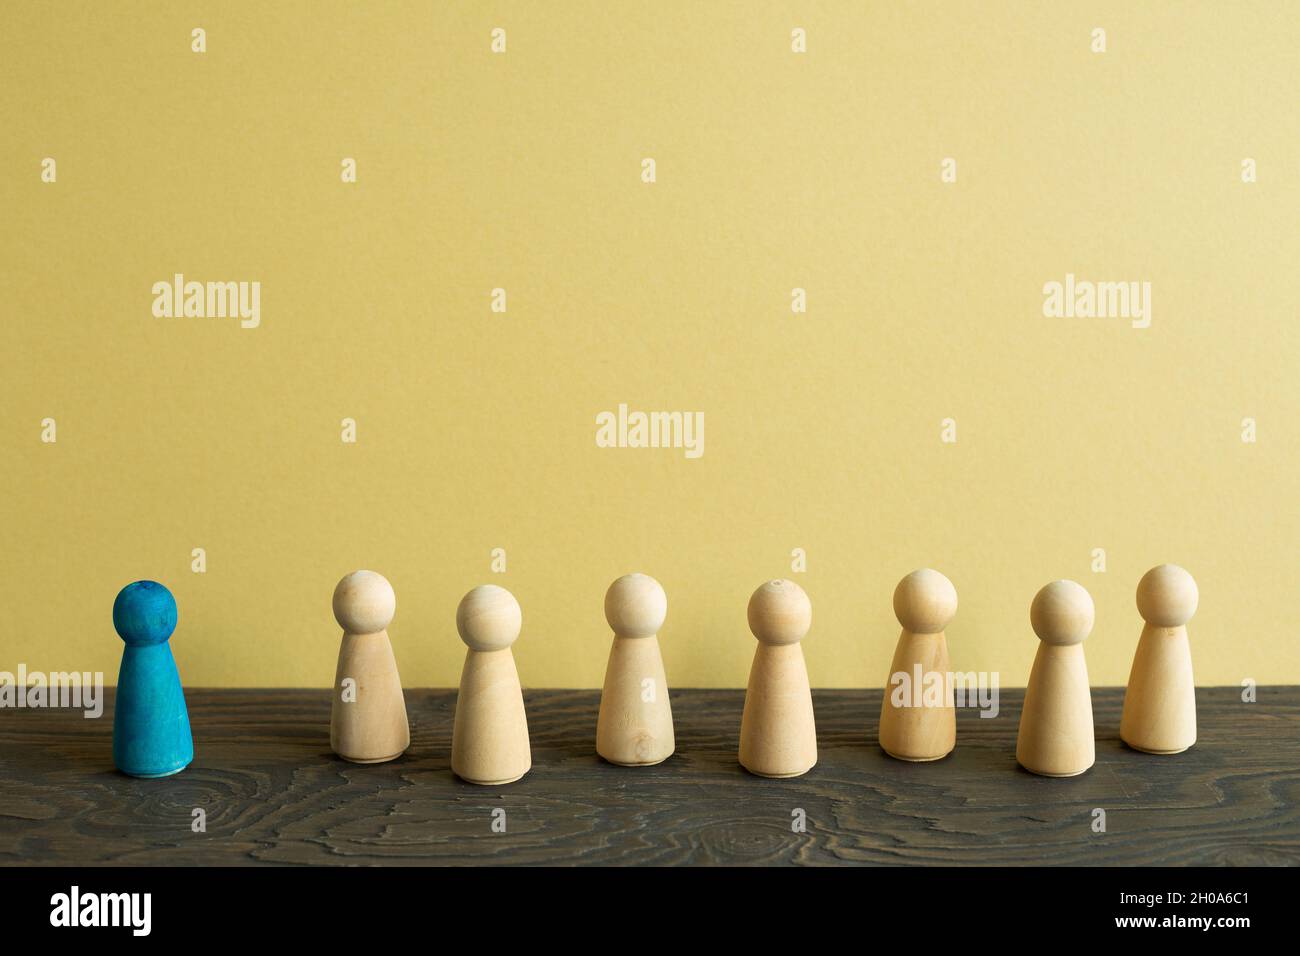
{"x": 635, "y": 725}
{"x": 778, "y": 734}
{"x": 918, "y": 721}
{"x": 489, "y": 739}
{"x": 151, "y": 725}
{"x": 1056, "y": 734}
{"x": 368, "y": 722}
{"x": 1160, "y": 701}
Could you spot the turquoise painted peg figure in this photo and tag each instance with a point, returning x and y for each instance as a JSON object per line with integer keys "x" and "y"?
{"x": 151, "y": 727}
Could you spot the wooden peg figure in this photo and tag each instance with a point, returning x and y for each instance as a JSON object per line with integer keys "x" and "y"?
{"x": 635, "y": 726}
{"x": 1056, "y": 734}
{"x": 1160, "y": 702}
{"x": 368, "y": 714}
{"x": 151, "y": 725}
{"x": 489, "y": 739}
{"x": 918, "y": 721}
{"x": 778, "y": 735}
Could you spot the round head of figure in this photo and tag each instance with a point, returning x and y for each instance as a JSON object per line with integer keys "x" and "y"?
{"x": 144, "y": 613}
{"x": 635, "y": 606}
{"x": 1167, "y": 596}
{"x": 780, "y": 613}
{"x": 488, "y": 618}
{"x": 1062, "y": 613}
{"x": 925, "y": 602}
{"x": 364, "y": 603}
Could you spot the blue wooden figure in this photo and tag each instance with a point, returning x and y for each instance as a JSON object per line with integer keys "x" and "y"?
{"x": 151, "y": 727}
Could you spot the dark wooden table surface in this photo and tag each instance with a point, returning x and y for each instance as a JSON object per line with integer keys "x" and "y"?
{"x": 273, "y": 793}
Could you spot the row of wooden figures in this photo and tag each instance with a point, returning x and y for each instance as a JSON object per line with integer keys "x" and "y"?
{"x": 490, "y": 743}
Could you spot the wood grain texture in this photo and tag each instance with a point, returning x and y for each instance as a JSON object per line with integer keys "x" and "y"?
{"x": 275, "y": 794}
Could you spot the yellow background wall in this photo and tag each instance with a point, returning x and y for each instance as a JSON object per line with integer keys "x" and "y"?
{"x": 522, "y": 170}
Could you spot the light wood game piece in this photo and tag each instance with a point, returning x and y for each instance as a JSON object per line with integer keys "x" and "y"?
{"x": 1160, "y": 701}
{"x": 1056, "y": 733}
{"x": 368, "y": 715}
{"x": 635, "y": 726}
{"x": 778, "y": 734}
{"x": 489, "y": 739}
{"x": 912, "y": 726}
